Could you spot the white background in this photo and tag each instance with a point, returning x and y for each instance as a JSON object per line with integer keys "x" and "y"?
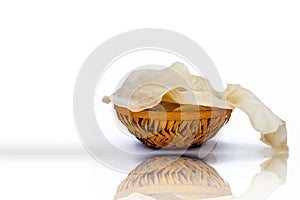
{"x": 43, "y": 45}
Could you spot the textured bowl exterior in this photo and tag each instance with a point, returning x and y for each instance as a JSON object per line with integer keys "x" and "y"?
{"x": 186, "y": 129}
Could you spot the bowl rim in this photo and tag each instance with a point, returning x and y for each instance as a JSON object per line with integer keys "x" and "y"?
{"x": 175, "y": 115}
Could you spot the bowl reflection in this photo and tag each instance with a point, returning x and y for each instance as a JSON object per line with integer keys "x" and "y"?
{"x": 189, "y": 178}
{"x": 181, "y": 178}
